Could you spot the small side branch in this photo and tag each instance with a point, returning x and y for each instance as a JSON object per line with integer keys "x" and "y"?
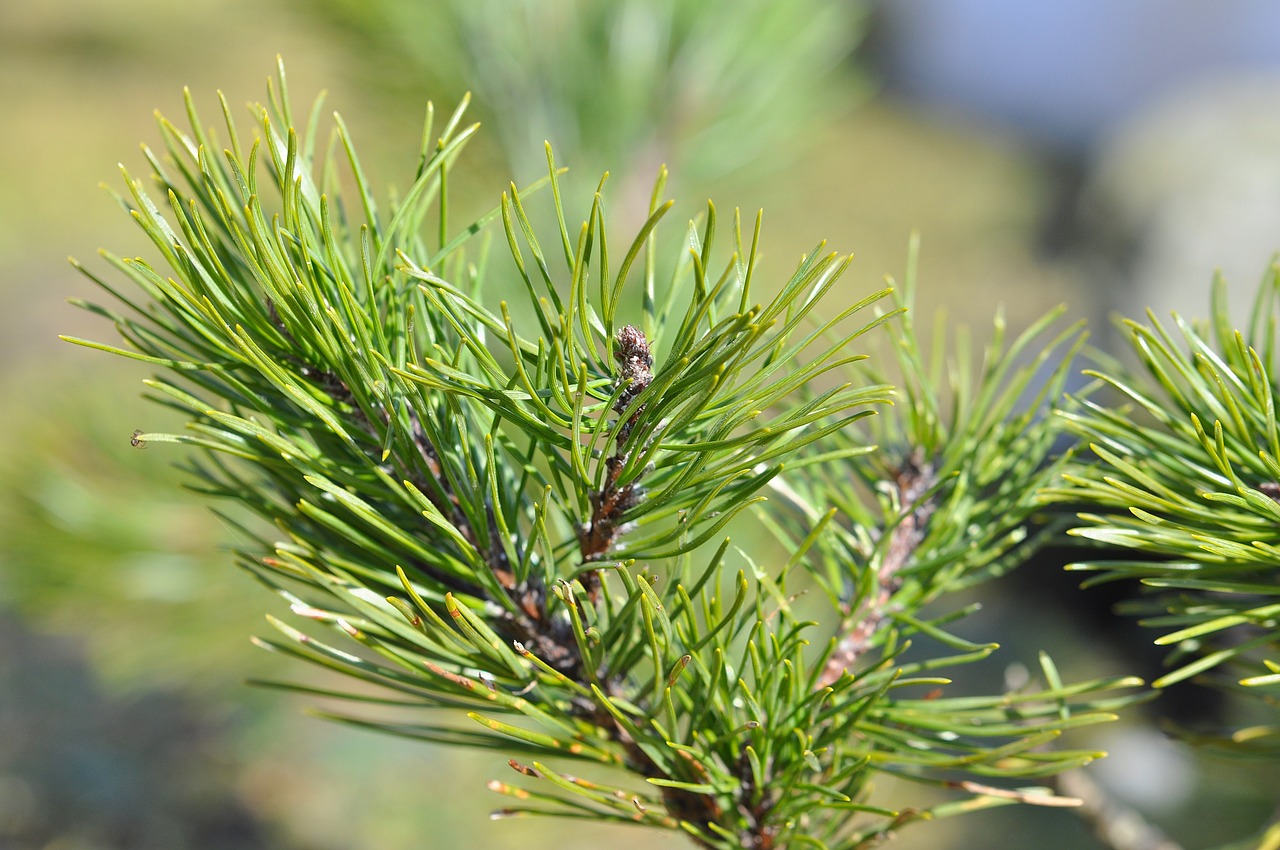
{"x": 1115, "y": 825}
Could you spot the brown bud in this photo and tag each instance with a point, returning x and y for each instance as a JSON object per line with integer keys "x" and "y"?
{"x": 635, "y": 364}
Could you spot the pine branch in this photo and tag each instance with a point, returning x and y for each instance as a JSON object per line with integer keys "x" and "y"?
{"x": 516, "y": 514}
{"x": 1187, "y": 473}
{"x": 954, "y": 491}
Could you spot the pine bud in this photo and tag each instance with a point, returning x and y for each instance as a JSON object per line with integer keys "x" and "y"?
{"x": 635, "y": 364}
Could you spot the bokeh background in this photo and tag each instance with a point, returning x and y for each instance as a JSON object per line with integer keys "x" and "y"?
{"x": 1107, "y": 155}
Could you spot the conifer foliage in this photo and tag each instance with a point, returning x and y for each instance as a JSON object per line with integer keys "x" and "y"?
{"x": 1186, "y": 472}
{"x": 512, "y": 517}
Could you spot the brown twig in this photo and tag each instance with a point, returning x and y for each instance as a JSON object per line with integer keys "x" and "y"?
{"x": 596, "y": 537}
{"x": 912, "y": 481}
{"x": 1115, "y": 824}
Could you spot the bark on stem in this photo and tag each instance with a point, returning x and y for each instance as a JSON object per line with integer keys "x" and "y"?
{"x": 913, "y": 480}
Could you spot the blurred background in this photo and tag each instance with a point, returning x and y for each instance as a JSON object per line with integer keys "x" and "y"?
{"x": 1107, "y": 155}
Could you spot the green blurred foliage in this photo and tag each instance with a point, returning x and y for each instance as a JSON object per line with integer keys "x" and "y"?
{"x": 100, "y": 541}
{"x": 708, "y": 88}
